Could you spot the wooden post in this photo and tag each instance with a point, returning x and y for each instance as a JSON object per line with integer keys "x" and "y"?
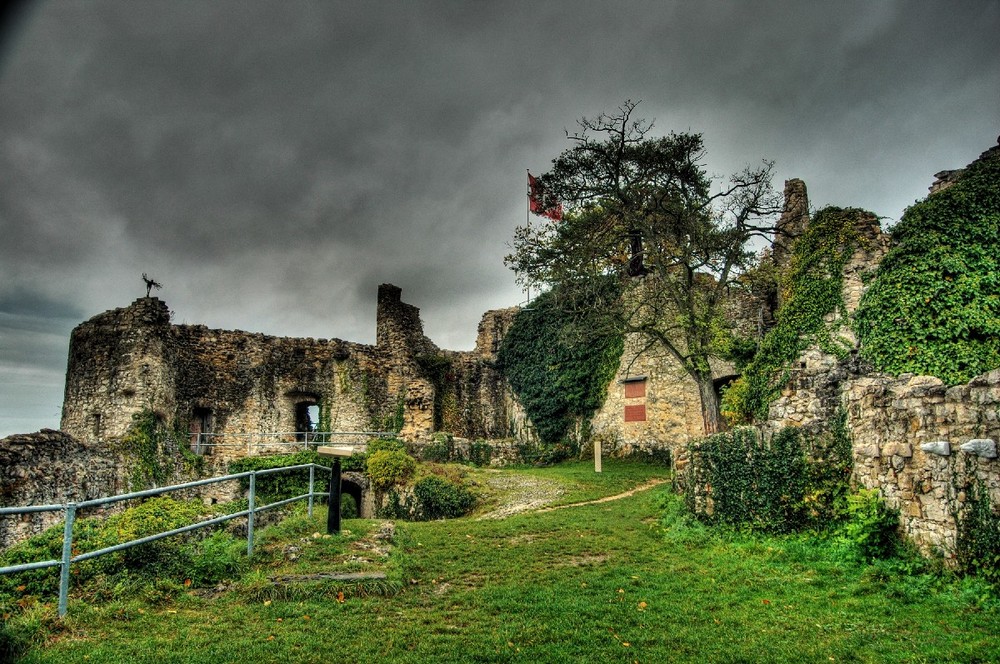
{"x": 597, "y": 456}
{"x": 333, "y": 503}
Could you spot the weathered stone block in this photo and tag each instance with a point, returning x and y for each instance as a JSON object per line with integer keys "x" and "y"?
{"x": 898, "y": 449}
{"x": 939, "y": 447}
{"x": 982, "y": 447}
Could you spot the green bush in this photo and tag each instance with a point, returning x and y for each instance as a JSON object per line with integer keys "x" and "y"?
{"x": 480, "y": 453}
{"x": 441, "y": 449}
{"x": 872, "y": 528}
{"x": 441, "y": 499}
{"x": 385, "y": 444}
{"x": 348, "y": 506}
{"x": 171, "y": 556}
{"x": 978, "y": 542}
{"x": 279, "y": 486}
{"x": 752, "y": 483}
{"x": 389, "y": 467}
{"x": 545, "y": 454}
{"x": 934, "y": 305}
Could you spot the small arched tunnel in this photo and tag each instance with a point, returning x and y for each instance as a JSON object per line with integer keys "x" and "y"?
{"x": 355, "y": 485}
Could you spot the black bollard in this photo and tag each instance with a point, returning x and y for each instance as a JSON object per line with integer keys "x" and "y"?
{"x": 333, "y": 502}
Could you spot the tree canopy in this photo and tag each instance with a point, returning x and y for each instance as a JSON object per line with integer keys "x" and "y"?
{"x": 641, "y": 210}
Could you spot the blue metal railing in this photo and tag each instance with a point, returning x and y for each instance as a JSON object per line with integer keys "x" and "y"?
{"x": 70, "y": 510}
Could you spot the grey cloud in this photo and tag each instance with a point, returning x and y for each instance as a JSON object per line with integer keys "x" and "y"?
{"x": 273, "y": 163}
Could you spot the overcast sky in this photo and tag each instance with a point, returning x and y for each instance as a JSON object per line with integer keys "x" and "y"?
{"x": 271, "y": 163}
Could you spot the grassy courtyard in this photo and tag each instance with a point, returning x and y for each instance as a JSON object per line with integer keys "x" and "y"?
{"x": 626, "y": 580}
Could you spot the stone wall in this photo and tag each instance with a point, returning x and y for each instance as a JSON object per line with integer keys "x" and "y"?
{"x": 230, "y": 382}
{"x": 667, "y": 413}
{"x": 911, "y": 438}
{"x": 52, "y": 468}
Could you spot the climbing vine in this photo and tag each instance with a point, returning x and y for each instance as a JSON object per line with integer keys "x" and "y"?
{"x": 151, "y": 445}
{"x": 934, "y": 306}
{"x": 978, "y": 542}
{"x": 558, "y": 374}
{"x": 812, "y": 289}
{"x": 797, "y": 480}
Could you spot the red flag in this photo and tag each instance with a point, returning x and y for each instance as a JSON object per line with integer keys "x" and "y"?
{"x": 540, "y": 203}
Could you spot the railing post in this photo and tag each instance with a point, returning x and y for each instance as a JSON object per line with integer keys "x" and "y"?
{"x": 251, "y": 506}
{"x": 67, "y": 555}
{"x": 312, "y": 483}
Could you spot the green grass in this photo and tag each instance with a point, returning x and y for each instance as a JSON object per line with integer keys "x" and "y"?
{"x": 621, "y": 581}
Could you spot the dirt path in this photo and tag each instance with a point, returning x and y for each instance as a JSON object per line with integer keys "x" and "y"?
{"x": 530, "y": 494}
{"x": 607, "y": 499}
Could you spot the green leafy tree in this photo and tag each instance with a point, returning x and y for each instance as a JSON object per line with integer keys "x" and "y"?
{"x": 934, "y": 307}
{"x": 640, "y": 210}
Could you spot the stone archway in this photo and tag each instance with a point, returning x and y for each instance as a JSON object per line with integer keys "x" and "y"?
{"x": 356, "y": 485}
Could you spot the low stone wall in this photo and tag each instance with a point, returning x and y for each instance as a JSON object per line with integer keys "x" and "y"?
{"x": 922, "y": 444}
{"x": 51, "y": 468}
{"x": 910, "y": 436}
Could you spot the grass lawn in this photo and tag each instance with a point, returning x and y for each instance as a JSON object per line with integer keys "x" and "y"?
{"x": 606, "y": 582}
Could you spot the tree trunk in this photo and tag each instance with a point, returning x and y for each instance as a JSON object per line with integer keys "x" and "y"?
{"x": 711, "y": 416}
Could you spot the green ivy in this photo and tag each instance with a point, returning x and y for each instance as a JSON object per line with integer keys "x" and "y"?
{"x": 813, "y": 286}
{"x": 441, "y": 449}
{"x": 793, "y": 482}
{"x": 156, "y": 451}
{"x": 978, "y": 541}
{"x": 934, "y": 306}
{"x": 480, "y": 453}
{"x": 558, "y": 373}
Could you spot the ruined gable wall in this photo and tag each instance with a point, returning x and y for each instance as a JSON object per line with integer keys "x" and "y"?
{"x": 252, "y": 382}
{"x": 130, "y": 359}
{"x": 476, "y": 401}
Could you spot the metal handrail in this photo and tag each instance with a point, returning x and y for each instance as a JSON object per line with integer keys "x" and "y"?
{"x": 71, "y": 509}
{"x": 273, "y": 438}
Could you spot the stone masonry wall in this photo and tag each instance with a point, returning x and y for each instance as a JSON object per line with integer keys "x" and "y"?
{"x": 52, "y": 468}
{"x": 911, "y": 438}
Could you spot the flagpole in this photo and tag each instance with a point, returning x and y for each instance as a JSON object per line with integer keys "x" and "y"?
{"x": 527, "y": 223}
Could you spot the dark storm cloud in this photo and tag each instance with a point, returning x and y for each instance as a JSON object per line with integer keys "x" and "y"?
{"x": 272, "y": 163}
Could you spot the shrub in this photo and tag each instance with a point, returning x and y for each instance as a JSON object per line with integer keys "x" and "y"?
{"x": 441, "y": 499}
{"x": 480, "y": 453}
{"x": 385, "y": 445}
{"x": 165, "y": 557}
{"x": 389, "y": 467}
{"x": 872, "y": 527}
{"x": 752, "y": 483}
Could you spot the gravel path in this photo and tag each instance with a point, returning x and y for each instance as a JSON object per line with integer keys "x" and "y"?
{"x": 531, "y": 494}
